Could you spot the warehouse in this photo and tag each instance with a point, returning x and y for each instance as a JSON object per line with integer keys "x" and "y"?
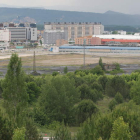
{"x": 99, "y": 49}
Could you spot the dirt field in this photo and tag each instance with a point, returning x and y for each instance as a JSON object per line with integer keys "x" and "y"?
{"x": 74, "y": 59}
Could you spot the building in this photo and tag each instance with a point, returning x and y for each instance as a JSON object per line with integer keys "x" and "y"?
{"x": 76, "y": 29}
{"x": 61, "y": 42}
{"x": 21, "y": 32}
{"x": 88, "y": 40}
{"x": 123, "y": 39}
{"x": 5, "y": 35}
{"x": 98, "y": 49}
{"x": 4, "y": 45}
{"x": 50, "y": 36}
{"x": 121, "y": 32}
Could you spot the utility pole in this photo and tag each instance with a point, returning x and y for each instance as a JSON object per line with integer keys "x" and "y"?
{"x": 84, "y": 51}
{"x": 34, "y": 64}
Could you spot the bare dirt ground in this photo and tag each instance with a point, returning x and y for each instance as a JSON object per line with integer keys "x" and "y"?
{"x": 56, "y": 62}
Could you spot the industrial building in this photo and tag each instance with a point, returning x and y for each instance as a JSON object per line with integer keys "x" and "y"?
{"x": 21, "y": 32}
{"x": 108, "y": 39}
{"x": 76, "y": 29}
{"x": 98, "y": 49}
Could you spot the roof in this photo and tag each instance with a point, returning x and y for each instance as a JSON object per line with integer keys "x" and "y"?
{"x": 133, "y": 37}
{"x": 99, "y": 47}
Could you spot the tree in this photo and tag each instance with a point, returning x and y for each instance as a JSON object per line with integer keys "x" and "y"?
{"x": 33, "y": 90}
{"x": 62, "y": 133}
{"x": 103, "y": 81}
{"x": 117, "y": 84}
{"x": 35, "y": 44}
{"x": 120, "y": 130}
{"x": 6, "y": 129}
{"x": 31, "y": 132}
{"x": 85, "y": 109}
{"x": 41, "y": 42}
{"x": 14, "y": 91}
{"x": 65, "y": 70}
{"x": 112, "y": 104}
{"x": 97, "y": 70}
{"x": 119, "y": 98}
{"x": 58, "y": 98}
{"x": 135, "y": 92}
{"x": 87, "y": 93}
{"x": 114, "y": 32}
{"x": 101, "y": 63}
{"x": 19, "y": 134}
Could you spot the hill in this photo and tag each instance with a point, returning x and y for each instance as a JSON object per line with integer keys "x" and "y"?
{"x": 42, "y": 15}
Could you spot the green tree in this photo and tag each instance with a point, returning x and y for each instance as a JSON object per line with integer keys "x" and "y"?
{"x": 33, "y": 90}
{"x": 117, "y": 84}
{"x": 41, "y": 42}
{"x": 103, "y": 81}
{"x": 120, "y": 130}
{"x": 62, "y": 133}
{"x": 31, "y": 132}
{"x": 19, "y": 134}
{"x": 6, "y": 129}
{"x": 65, "y": 70}
{"x": 58, "y": 98}
{"x": 101, "y": 63}
{"x": 14, "y": 91}
{"x": 114, "y": 32}
{"x": 119, "y": 98}
{"x": 97, "y": 70}
{"x": 84, "y": 110}
{"x": 112, "y": 104}
{"x": 135, "y": 92}
{"x": 55, "y": 73}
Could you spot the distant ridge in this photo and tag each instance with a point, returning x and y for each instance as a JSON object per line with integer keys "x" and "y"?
{"x": 113, "y": 13}
{"x": 43, "y": 15}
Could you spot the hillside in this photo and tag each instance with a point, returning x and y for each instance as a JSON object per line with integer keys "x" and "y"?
{"x": 42, "y": 15}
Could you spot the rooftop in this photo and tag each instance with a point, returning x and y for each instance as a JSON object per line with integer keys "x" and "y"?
{"x": 133, "y": 37}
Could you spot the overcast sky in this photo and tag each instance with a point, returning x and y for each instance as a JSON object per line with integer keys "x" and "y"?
{"x": 98, "y": 6}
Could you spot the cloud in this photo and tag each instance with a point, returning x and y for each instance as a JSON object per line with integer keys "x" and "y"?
{"x": 125, "y": 6}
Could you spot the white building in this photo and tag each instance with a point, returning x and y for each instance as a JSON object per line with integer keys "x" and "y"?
{"x": 5, "y": 35}
{"x": 122, "y": 32}
{"x": 33, "y": 34}
{"x": 20, "y": 32}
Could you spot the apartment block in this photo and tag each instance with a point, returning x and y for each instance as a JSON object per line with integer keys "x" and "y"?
{"x": 76, "y": 29}
{"x": 88, "y": 40}
{"x": 50, "y": 36}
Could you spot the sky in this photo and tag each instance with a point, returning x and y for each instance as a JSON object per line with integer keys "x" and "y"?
{"x": 98, "y": 6}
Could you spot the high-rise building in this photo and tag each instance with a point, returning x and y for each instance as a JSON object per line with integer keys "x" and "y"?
{"x": 75, "y": 30}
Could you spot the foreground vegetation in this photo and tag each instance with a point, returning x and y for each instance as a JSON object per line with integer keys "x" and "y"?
{"x": 95, "y": 105}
